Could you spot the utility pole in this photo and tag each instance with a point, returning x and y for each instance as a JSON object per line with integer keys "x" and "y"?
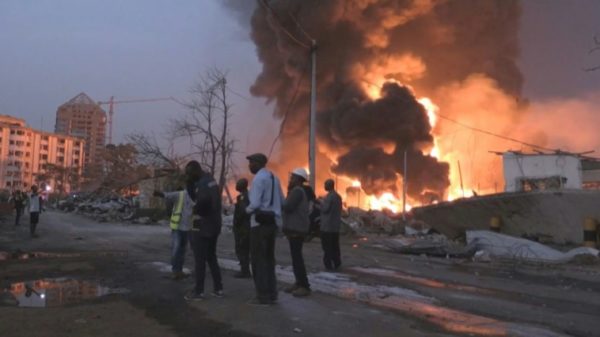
{"x": 404, "y": 187}
{"x": 313, "y": 118}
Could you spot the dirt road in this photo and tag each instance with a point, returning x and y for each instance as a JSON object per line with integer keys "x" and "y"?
{"x": 112, "y": 280}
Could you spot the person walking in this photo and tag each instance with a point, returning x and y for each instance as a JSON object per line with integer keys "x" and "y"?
{"x": 241, "y": 229}
{"x": 18, "y": 198}
{"x": 295, "y": 227}
{"x": 206, "y": 228}
{"x": 331, "y": 220}
{"x": 180, "y": 224}
{"x": 265, "y": 198}
{"x": 35, "y": 204}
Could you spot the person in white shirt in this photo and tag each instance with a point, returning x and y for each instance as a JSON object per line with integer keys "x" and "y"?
{"x": 35, "y": 207}
{"x": 265, "y": 198}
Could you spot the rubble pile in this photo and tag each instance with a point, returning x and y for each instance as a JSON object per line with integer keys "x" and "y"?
{"x": 104, "y": 209}
{"x": 359, "y": 221}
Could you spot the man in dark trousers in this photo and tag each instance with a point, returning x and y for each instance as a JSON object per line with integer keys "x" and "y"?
{"x": 295, "y": 227}
{"x": 241, "y": 229}
{"x": 265, "y": 206}
{"x": 35, "y": 207}
{"x": 206, "y": 228}
{"x": 331, "y": 220}
{"x": 18, "y": 199}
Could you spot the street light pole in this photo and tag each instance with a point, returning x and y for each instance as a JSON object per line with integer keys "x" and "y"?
{"x": 313, "y": 118}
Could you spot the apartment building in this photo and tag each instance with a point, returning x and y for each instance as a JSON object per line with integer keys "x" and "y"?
{"x": 25, "y": 155}
{"x": 82, "y": 117}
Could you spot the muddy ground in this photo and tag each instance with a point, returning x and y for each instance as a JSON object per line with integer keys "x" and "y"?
{"x": 377, "y": 293}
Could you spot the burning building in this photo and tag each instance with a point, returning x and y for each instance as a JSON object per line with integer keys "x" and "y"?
{"x": 387, "y": 71}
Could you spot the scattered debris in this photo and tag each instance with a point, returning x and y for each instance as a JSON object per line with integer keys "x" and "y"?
{"x": 429, "y": 245}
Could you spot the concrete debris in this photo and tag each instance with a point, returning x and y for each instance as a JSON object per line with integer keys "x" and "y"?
{"x": 430, "y": 245}
{"x": 102, "y": 208}
{"x": 505, "y": 246}
{"x": 482, "y": 256}
{"x": 359, "y": 221}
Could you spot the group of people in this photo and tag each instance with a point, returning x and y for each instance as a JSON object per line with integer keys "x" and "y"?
{"x": 261, "y": 209}
{"x": 33, "y": 202}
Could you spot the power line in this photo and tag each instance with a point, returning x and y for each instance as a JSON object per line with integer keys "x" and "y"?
{"x": 489, "y": 133}
{"x": 289, "y": 107}
{"x": 280, "y": 23}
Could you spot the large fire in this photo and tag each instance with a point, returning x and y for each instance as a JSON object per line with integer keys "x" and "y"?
{"x": 391, "y": 77}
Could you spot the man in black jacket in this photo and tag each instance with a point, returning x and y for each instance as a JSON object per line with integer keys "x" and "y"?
{"x": 241, "y": 229}
{"x": 205, "y": 229}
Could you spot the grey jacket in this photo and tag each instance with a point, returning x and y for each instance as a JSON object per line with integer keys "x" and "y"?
{"x": 331, "y": 213}
{"x": 295, "y": 212}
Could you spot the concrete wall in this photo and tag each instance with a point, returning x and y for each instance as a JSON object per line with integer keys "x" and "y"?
{"x": 559, "y": 215}
{"x": 517, "y": 166}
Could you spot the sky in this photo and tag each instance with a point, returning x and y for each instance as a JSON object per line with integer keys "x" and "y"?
{"x": 54, "y": 49}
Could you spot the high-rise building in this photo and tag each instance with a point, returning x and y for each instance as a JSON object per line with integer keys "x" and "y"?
{"x": 27, "y": 156}
{"x": 82, "y": 117}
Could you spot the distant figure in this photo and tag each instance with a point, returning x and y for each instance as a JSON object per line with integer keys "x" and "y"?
{"x": 241, "y": 229}
{"x": 331, "y": 220}
{"x": 182, "y": 207}
{"x": 206, "y": 228}
{"x": 19, "y": 199}
{"x": 265, "y": 207}
{"x": 35, "y": 203}
{"x": 296, "y": 226}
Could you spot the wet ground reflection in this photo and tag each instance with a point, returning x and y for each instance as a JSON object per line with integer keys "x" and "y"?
{"x": 55, "y": 292}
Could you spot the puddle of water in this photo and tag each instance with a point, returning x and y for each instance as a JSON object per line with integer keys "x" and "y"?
{"x": 20, "y": 255}
{"x": 411, "y": 303}
{"x": 56, "y": 292}
{"x": 419, "y": 280}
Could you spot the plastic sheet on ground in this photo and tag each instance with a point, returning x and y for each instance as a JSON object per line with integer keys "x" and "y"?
{"x": 505, "y": 246}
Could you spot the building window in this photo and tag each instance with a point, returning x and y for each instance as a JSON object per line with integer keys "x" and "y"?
{"x": 20, "y": 132}
{"x": 61, "y": 141}
{"x": 11, "y": 142}
{"x": 12, "y": 132}
{"x": 44, "y": 157}
{"x": 61, "y": 150}
{"x": 44, "y": 137}
{"x": 20, "y": 143}
{"x": 45, "y": 147}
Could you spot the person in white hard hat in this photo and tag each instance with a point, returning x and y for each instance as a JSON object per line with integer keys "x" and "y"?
{"x": 295, "y": 227}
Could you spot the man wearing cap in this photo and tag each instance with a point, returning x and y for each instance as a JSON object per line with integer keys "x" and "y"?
{"x": 265, "y": 198}
{"x": 295, "y": 227}
{"x": 331, "y": 221}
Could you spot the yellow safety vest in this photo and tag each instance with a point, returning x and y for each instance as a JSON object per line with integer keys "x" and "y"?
{"x": 176, "y": 215}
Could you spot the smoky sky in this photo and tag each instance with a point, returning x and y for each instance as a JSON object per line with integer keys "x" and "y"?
{"x": 421, "y": 45}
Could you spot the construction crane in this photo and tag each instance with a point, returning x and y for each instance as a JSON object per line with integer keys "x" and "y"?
{"x": 111, "y": 110}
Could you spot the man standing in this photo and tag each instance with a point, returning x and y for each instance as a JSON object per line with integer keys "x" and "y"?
{"x": 265, "y": 205}
{"x": 206, "y": 228}
{"x": 18, "y": 199}
{"x": 180, "y": 223}
{"x": 331, "y": 220}
{"x": 35, "y": 207}
{"x": 295, "y": 227}
{"x": 241, "y": 229}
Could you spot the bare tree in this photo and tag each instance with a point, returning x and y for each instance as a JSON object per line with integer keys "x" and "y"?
{"x": 593, "y": 50}
{"x": 151, "y": 154}
{"x": 206, "y": 125}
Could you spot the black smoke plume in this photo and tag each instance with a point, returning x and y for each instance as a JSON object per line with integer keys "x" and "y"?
{"x": 423, "y": 44}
